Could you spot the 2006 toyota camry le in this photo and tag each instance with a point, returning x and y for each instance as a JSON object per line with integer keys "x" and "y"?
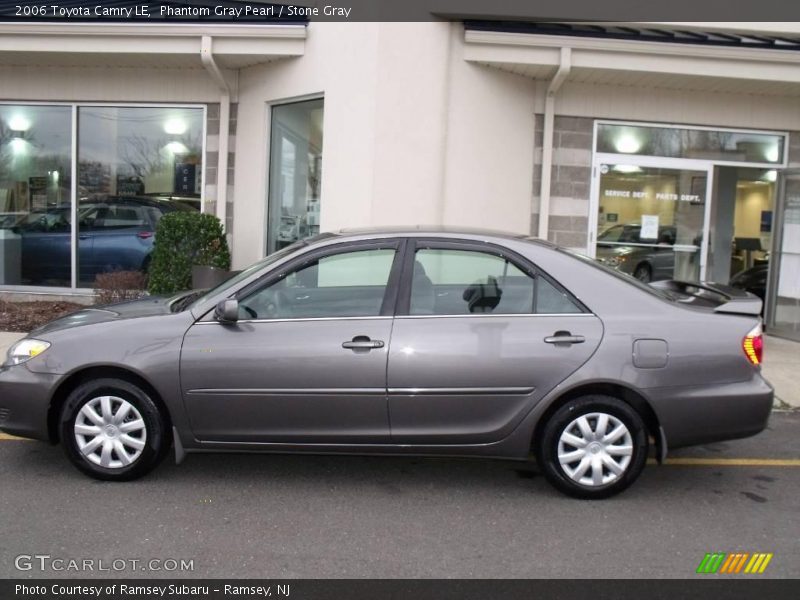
{"x": 426, "y": 342}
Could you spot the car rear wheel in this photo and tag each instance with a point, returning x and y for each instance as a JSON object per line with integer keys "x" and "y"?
{"x": 112, "y": 430}
{"x": 643, "y": 273}
{"x": 593, "y": 447}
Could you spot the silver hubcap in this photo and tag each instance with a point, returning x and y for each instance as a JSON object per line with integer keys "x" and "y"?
{"x": 110, "y": 432}
{"x": 595, "y": 449}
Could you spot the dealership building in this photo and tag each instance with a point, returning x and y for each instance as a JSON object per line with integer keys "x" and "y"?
{"x": 668, "y": 150}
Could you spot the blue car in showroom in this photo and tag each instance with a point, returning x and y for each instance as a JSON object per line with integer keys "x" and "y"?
{"x": 115, "y": 233}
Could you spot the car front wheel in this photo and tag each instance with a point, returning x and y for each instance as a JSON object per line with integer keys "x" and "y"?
{"x": 112, "y": 430}
{"x": 593, "y": 447}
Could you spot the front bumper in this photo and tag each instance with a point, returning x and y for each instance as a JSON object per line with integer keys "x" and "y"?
{"x": 24, "y": 401}
{"x": 704, "y": 414}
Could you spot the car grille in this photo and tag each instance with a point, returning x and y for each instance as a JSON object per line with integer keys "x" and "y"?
{"x": 4, "y": 414}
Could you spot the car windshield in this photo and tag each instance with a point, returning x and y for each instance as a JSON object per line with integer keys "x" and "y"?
{"x": 620, "y": 233}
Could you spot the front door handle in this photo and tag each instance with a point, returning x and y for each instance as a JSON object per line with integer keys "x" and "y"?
{"x": 564, "y": 337}
{"x": 362, "y": 342}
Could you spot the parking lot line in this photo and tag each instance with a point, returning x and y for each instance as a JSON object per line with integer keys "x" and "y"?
{"x": 731, "y": 462}
{"x": 4, "y": 437}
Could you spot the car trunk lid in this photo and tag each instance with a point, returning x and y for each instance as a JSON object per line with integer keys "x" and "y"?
{"x": 718, "y": 297}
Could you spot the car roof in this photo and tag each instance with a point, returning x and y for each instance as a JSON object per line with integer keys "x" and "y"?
{"x": 433, "y": 231}
{"x": 150, "y": 201}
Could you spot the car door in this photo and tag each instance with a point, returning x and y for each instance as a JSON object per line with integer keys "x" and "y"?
{"x": 121, "y": 237}
{"x": 46, "y": 247}
{"x": 480, "y": 336}
{"x": 306, "y": 362}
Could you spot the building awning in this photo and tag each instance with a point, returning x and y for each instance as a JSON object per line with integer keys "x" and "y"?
{"x": 157, "y": 45}
{"x": 642, "y": 55}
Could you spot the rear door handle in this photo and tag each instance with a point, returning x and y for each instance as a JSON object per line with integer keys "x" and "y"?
{"x": 362, "y": 342}
{"x": 564, "y": 337}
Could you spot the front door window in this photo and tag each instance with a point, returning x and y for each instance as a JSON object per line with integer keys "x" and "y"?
{"x": 352, "y": 284}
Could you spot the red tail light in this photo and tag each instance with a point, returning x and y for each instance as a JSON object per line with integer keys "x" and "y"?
{"x": 143, "y": 235}
{"x": 753, "y": 345}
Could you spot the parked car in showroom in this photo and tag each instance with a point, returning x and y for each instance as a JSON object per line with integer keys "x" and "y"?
{"x": 754, "y": 280}
{"x": 622, "y": 247}
{"x": 401, "y": 342}
{"x": 115, "y": 233}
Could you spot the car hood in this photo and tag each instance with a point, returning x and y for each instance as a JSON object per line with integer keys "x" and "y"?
{"x": 603, "y": 251}
{"x": 133, "y": 309}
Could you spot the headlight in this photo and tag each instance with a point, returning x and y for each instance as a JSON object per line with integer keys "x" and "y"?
{"x": 25, "y": 350}
{"x": 616, "y": 261}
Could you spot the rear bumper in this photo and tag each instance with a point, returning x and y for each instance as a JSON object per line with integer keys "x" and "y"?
{"x": 24, "y": 402}
{"x": 703, "y": 414}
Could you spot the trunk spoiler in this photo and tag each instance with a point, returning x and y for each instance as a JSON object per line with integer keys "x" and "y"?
{"x": 720, "y": 297}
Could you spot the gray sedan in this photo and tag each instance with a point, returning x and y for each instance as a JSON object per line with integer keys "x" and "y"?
{"x": 401, "y": 342}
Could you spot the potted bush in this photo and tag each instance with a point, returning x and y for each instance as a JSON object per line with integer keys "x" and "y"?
{"x": 190, "y": 252}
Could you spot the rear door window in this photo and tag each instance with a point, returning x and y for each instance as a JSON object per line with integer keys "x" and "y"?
{"x": 462, "y": 282}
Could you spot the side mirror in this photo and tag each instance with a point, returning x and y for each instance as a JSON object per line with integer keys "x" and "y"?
{"x": 227, "y": 311}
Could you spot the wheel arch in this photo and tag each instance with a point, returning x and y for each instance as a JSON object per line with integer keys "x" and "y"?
{"x": 73, "y": 380}
{"x": 636, "y": 400}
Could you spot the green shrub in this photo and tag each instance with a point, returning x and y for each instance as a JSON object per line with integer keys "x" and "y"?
{"x": 185, "y": 239}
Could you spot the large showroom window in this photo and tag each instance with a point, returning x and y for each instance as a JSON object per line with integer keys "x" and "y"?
{"x": 295, "y": 173}
{"x": 133, "y": 163}
{"x": 35, "y": 194}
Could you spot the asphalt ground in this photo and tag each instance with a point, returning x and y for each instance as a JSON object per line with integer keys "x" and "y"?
{"x": 281, "y": 516}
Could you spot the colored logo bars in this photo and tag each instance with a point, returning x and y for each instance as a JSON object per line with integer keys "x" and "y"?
{"x": 737, "y": 562}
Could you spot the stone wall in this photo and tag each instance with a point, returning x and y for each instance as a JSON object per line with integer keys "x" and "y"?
{"x": 212, "y": 158}
{"x": 570, "y": 182}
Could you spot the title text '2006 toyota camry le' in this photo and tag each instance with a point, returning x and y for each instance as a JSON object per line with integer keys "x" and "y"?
{"x": 401, "y": 342}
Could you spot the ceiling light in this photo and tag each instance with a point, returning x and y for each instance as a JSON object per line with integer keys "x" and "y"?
{"x": 627, "y": 169}
{"x": 177, "y": 148}
{"x": 175, "y": 126}
{"x": 771, "y": 175}
{"x": 772, "y": 154}
{"x": 19, "y": 123}
{"x": 627, "y": 144}
{"x": 18, "y": 145}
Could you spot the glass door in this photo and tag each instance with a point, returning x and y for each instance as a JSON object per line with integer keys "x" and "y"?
{"x": 651, "y": 216}
{"x": 783, "y": 299}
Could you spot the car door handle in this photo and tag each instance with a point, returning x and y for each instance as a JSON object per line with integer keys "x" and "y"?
{"x": 362, "y": 342}
{"x": 564, "y": 337}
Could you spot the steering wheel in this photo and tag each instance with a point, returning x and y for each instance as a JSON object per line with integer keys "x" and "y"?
{"x": 267, "y": 306}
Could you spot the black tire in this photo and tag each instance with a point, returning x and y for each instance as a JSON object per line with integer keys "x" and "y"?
{"x": 156, "y": 434}
{"x": 643, "y": 273}
{"x": 548, "y": 444}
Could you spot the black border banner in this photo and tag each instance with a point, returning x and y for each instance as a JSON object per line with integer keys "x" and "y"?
{"x": 704, "y": 587}
{"x": 276, "y": 11}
